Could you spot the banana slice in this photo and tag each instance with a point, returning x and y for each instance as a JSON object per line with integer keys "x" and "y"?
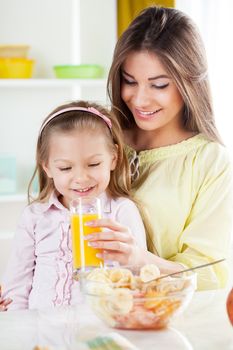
{"x": 96, "y": 274}
{"x": 97, "y": 282}
{"x": 121, "y": 276}
{"x": 120, "y": 302}
{"x": 98, "y": 289}
{"x": 149, "y": 272}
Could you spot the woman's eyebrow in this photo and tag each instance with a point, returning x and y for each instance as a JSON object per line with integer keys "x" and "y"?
{"x": 159, "y": 77}
{"x": 152, "y": 78}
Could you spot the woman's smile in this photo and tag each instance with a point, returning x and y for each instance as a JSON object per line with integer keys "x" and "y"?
{"x": 146, "y": 115}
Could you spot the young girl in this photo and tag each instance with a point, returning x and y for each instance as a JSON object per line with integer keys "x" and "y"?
{"x": 79, "y": 153}
{"x": 159, "y": 88}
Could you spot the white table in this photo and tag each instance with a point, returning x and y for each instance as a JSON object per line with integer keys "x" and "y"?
{"x": 203, "y": 326}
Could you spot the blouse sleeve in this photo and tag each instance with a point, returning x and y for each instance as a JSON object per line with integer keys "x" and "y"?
{"x": 207, "y": 232}
{"x": 17, "y": 280}
{"x": 128, "y": 214}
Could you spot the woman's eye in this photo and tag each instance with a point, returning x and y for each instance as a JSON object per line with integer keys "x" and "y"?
{"x": 93, "y": 164}
{"x": 161, "y": 86}
{"x": 128, "y": 82}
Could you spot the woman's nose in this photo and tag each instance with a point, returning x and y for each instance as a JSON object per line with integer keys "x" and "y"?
{"x": 141, "y": 97}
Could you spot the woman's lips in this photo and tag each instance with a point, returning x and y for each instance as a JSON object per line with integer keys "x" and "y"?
{"x": 147, "y": 114}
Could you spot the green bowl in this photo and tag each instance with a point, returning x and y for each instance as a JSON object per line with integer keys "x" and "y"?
{"x": 82, "y": 71}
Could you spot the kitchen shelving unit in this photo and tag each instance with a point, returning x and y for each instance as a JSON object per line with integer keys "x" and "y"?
{"x": 11, "y": 205}
{"x": 72, "y": 34}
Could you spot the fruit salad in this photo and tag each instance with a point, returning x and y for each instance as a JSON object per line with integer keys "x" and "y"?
{"x": 132, "y": 298}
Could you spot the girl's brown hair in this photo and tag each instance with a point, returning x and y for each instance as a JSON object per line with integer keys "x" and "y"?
{"x": 174, "y": 39}
{"x": 66, "y": 122}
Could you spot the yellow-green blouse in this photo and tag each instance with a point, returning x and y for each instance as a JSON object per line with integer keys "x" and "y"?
{"x": 188, "y": 199}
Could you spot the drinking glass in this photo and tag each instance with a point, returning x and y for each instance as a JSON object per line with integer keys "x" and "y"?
{"x": 84, "y": 209}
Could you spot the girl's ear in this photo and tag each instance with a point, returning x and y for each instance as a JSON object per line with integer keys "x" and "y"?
{"x": 46, "y": 169}
{"x": 114, "y": 158}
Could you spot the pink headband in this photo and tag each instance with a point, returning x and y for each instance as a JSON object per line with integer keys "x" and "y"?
{"x": 69, "y": 109}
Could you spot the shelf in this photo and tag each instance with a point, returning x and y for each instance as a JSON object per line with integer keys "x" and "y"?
{"x": 18, "y": 197}
{"x": 52, "y": 83}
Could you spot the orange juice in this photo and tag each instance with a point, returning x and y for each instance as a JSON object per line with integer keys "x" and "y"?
{"x": 83, "y": 255}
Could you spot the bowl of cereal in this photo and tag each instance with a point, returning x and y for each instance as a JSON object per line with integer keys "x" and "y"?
{"x": 132, "y": 298}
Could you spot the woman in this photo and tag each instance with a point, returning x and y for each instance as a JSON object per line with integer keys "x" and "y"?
{"x": 159, "y": 88}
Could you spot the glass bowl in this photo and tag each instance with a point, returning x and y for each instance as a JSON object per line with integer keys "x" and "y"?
{"x": 120, "y": 298}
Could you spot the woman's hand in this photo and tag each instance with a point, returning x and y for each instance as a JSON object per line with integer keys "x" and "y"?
{"x": 4, "y": 302}
{"x": 117, "y": 243}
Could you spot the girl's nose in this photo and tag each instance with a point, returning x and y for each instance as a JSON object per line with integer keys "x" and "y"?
{"x": 80, "y": 175}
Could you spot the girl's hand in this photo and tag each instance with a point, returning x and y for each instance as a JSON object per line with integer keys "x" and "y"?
{"x": 117, "y": 243}
{"x": 4, "y": 302}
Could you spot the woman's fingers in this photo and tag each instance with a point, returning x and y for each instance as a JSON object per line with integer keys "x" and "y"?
{"x": 111, "y": 245}
{"x": 117, "y": 243}
{"x": 108, "y": 223}
{"x": 116, "y": 231}
{"x": 122, "y": 259}
{"x": 126, "y": 237}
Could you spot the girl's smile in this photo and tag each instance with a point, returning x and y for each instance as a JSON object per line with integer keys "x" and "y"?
{"x": 82, "y": 192}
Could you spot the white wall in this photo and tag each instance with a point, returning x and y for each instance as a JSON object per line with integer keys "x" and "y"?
{"x": 215, "y": 21}
{"x": 60, "y": 31}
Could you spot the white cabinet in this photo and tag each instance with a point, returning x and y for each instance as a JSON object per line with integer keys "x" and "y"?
{"x": 58, "y": 32}
{"x": 25, "y": 103}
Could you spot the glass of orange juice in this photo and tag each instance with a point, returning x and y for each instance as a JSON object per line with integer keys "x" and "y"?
{"x": 84, "y": 209}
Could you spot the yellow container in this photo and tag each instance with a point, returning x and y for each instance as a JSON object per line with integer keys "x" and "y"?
{"x": 16, "y": 68}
